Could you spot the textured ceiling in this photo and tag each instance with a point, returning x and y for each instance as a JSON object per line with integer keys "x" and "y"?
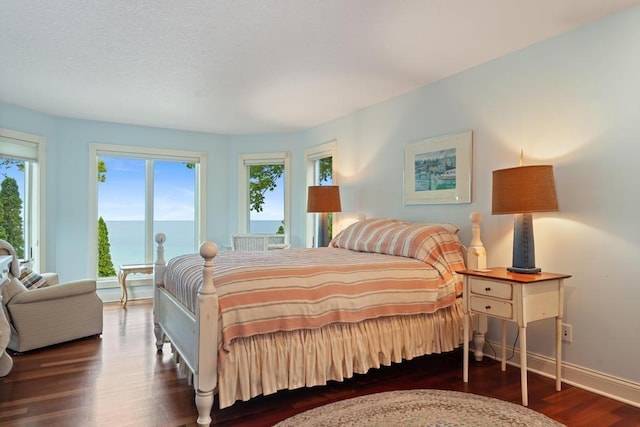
{"x": 255, "y": 66}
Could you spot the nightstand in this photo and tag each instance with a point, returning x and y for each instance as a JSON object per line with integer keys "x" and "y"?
{"x": 514, "y": 297}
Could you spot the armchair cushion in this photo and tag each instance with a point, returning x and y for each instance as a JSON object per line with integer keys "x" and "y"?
{"x": 32, "y": 280}
{"x": 69, "y": 289}
{"x": 10, "y": 289}
{"x": 51, "y": 278}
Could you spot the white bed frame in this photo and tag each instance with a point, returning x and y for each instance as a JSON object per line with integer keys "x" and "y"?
{"x": 194, "y": 338}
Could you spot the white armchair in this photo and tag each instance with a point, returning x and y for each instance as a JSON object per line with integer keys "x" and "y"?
{"x": 52, "y": 314}
{"x": 278, "y": 241}
{"x": 250, "y": 242}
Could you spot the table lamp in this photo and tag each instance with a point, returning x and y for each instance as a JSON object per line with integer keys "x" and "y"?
{"x": 323, "y": 199}
{"x": 522, "y": 191}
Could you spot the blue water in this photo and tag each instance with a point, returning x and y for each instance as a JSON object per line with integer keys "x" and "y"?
{"x": 128, "y": 242}
{"x": 266, "y": 227}
{"x": 127, "y": 239}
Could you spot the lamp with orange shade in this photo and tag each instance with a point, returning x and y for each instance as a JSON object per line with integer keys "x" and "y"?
{"x": 323, "y": 199}
{"x": 522, "y": 191}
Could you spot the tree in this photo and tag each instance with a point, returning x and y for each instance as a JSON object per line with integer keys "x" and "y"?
{"x": 262, "y": 178}
{"x": 6, "y": 163}
{"x": 3, "y": 232}
{"x": 11, "y": 219}
{"x": 102, "y": 171}
{"x": 105, "y": 264}
{"x": 326, "y": 169}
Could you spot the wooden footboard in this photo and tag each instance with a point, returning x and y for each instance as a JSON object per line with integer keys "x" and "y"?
{"x": 194, "y": 338}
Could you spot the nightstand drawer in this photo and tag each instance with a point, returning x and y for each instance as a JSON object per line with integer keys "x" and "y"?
{"x": 494, "y": 289}
{"x": 491, "y": 307}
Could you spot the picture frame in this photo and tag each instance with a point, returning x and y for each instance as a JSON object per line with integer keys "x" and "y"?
{"x": 438, "y": 170}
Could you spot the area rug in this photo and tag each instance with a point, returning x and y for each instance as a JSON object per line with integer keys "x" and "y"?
{"x": 420, "y": 408}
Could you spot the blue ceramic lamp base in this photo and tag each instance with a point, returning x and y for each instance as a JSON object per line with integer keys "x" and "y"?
{"x": 523, "y": 248}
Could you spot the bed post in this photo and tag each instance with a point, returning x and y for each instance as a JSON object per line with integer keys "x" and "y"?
{"x": 158, "y": 281}
{"x": 477, "y": 260}
{"x": 477, "y": 254}
{"x": 206, "y": 377}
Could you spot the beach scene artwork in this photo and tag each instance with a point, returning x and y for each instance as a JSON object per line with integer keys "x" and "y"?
{"x": 435, "y": 170}
{"x": 438, "y": 170}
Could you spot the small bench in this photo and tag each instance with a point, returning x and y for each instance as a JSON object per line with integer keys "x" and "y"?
{"x": 127, "y": 269}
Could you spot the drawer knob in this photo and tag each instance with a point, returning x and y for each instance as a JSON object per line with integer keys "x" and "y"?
{"x": 487, "y": 289}
{"x": 487, "y": 307}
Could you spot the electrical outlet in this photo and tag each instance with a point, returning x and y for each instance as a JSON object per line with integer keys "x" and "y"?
{"x": 567, "y": 333}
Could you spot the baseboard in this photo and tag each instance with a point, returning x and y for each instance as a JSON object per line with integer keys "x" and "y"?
{"x": 133, "y": 293}
{"x": 594, "y": 381}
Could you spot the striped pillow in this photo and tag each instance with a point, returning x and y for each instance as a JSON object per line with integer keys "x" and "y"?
{"x": 32, "y": 280}
{"x": 392, "y": 237}
{"x": 434, "y": 244}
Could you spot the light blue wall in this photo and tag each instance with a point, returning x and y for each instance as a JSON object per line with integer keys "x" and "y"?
{"x": 67, "y": 177}
{"x": 571, "y": 101}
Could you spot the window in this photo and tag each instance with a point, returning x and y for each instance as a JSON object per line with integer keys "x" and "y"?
{"x": 263, "y": 193}
{"x": 22, "y": 160}
{"x": 320, "y": 165}
{"x": 139, "y": 193}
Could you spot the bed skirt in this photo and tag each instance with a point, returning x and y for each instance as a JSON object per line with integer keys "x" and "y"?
{"x": 264, "y": 364}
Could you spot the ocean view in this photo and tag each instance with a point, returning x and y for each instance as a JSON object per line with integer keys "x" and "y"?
{"x": 127, "y": 238}
{"x": 266, "y": 227}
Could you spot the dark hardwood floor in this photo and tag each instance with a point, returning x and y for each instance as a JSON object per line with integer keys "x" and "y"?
{"x": 120, "y": 380}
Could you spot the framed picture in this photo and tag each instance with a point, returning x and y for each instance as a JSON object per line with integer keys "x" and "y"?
{"x": 438, "y": 170}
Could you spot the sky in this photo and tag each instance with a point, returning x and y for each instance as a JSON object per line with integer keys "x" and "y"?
{"x": 273, "y": 209}
{"x": 121, "y": 196}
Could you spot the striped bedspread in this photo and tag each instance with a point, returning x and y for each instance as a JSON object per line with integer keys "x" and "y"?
{"x": 264, "y": 292}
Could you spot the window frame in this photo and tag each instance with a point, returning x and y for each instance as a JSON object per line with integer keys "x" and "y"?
{"x": 147, "y": 154}
{"x": 312, "y": 155}
{"x": 252, "y": 159}
{"x": 35, "y": 190}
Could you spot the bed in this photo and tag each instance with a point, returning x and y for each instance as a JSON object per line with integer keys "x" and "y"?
{"x": 245, "y": 324}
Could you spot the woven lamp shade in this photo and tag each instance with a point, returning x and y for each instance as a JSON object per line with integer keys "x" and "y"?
{"x": 524, "y": 189}
{"x": 324, "y": 198}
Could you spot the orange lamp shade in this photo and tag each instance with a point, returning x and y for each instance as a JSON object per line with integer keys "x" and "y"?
{"x": 324, "y": 198}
